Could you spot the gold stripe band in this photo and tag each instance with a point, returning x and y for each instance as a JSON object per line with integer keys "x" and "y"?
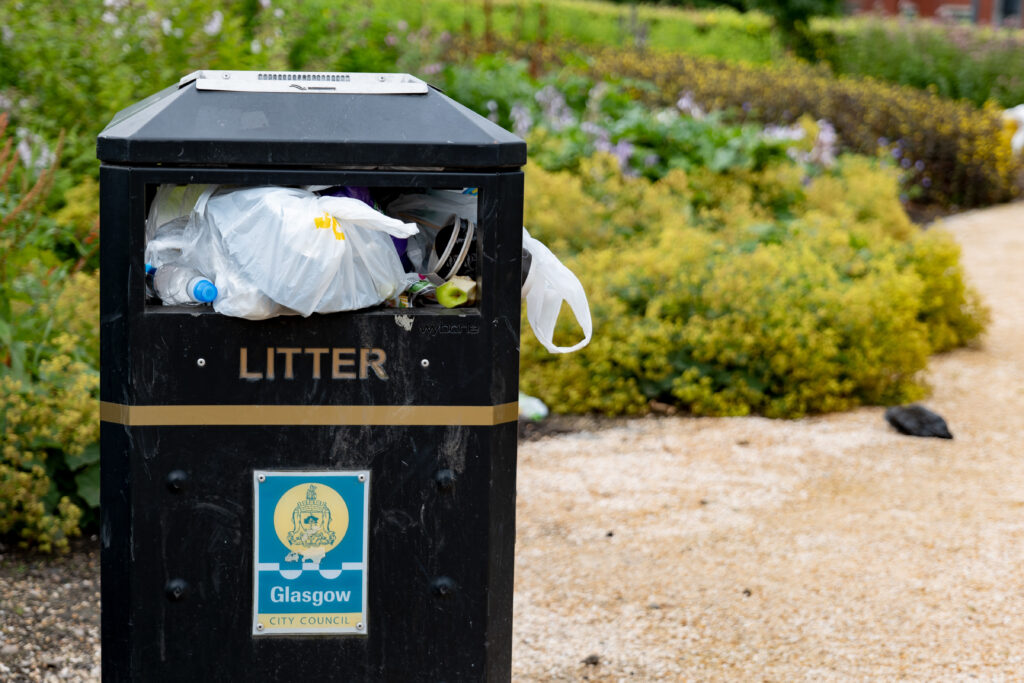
{"x": 316, "y": 416}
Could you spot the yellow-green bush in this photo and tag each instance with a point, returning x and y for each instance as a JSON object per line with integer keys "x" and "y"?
{"x": 829, "y": 301}
{"x": 52, "y": 416}
{"x": 49, "y": 384}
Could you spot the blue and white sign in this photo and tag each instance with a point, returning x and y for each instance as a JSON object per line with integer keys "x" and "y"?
{"x": 310, "y": 552}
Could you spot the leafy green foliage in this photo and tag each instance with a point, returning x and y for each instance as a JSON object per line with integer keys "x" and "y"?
{"x": 48, "y": 364}
{"x": 953, "y": 152}
{"x": 746, "y": 292}
{"x": 792, "y": 18}
{"x": 567, "y": 116}
{"x": 729, "y": 271}
{"x": 956, "y": 61}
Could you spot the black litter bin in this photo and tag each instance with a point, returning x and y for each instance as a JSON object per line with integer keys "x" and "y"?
{"x": 319, "y": 498}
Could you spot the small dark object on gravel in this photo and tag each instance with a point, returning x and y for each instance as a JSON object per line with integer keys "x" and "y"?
{"x": 916, "y": 420}
{"x": 592, "y": 660}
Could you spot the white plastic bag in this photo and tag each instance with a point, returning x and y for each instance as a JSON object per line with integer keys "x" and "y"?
{"x": 547, "y": 285}
{"x": 268, "y": 249}
{"x": 164, "y": 247}
{"x": 171, "y": 202}
{"x": 431, "y": 211}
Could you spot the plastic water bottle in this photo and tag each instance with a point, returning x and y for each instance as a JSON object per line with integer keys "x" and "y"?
{"x": 181, "y": 286}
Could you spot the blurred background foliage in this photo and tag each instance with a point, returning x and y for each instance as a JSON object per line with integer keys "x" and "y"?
{"x": 731, "y": 181}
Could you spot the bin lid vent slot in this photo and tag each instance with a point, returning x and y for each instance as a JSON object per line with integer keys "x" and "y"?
{"x": 306, "y": 82}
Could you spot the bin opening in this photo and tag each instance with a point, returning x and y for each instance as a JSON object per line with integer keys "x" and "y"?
{"x": 261, "y": 251}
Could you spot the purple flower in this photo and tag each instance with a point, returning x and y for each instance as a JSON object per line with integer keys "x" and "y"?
{"x": 926, "y": 182}
{"x": 621, "y": 150}
{"x": 905, "y": 163}
{"x": 554, "y": 108}
{"x": 522, "y": 122}
{"x": 896, "y": 153}
{"x": 883, "y": 142}
{"x": 773, "y": 132}
{"x": 214, "y": 24}
{"x": 595, "y": 131}
{"x": 919, "y": 165}
{"x": 688, "y": 105}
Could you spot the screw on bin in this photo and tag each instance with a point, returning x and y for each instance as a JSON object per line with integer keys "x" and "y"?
{"x": 261, "y": 478}
{"x": 176, "y": 589}
{"x": 176, "y": 480}
{"x": 259, "y": 627}
{"x": 201, "y": 362}
{"x": 425, "y": 363}
{"x": 360, "y": 626}
{"x": 362, "y": 477}
{"x": 445, "y": 479}
{"x": 443, "y": 587}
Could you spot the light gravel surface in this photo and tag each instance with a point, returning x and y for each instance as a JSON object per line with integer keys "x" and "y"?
{"x": 747, "y": 549}
{"x": 830, "y": 548}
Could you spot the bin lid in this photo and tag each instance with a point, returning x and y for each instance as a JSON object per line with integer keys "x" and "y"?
{"x": 321, "y": 119}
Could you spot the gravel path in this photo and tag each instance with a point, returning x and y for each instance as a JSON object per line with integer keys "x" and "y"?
{"x": 829, "y": 548}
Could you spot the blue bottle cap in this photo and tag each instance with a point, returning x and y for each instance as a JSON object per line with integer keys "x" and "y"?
{"x": 150, "y": 269}
{"x": 204, "y": 291}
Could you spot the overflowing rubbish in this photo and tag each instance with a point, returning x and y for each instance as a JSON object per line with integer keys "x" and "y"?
{"x": 172, "y": 202}
{"x": 547, "y": 285}
{"x": 178, "y": 285}
{"x": 260, "y": 252}
{"x": 459, "y": 291}
{"x": 447, "y": 223}
{"x": 531, "y": 408}
{"x": 278, "y": 250}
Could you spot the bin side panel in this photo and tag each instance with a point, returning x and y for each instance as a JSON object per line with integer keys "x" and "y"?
{"x": 115, "y": 440}
{"x": 433, "y": 577}
{"x": 115, "y": 270}
{"x": 116, "y": 555}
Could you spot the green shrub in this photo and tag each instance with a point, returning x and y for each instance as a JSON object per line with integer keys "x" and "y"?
{"x": 49, "y": 384}
{"x": 817, "y": 303}
{"x": 956, "y": 61}
{"x": 953, "y": 152}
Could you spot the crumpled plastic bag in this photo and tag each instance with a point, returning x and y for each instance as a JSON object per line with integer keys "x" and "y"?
{"x": 277, "y": 250}
{"x": 547, "y": 285}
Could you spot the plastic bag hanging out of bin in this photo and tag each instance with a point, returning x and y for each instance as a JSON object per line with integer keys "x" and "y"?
{"x": 209, "y": 571}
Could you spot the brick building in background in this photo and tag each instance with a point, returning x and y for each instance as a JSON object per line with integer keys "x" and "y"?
{"x": 982, "y": 12}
